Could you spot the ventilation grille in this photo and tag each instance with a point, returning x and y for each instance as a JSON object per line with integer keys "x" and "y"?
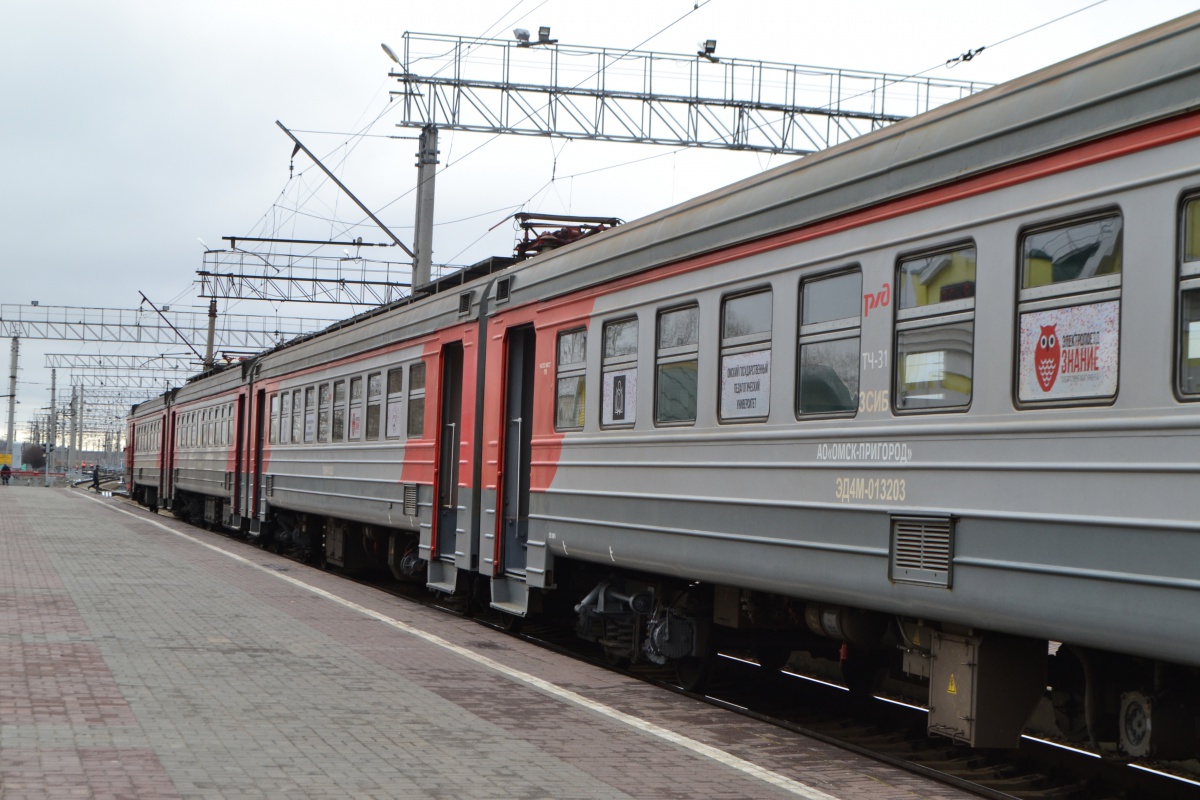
{"x": 922, "y": 550}
{"x": 410, "y": 499}
{"x": 503, "y": 287}
{"x": 464, "y": 303}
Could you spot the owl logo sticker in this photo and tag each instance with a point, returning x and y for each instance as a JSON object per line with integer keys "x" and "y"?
{"x": 1046, "y": 357}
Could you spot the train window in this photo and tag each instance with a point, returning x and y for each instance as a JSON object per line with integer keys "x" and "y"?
{"x": 310, "y": 414}
{"x": 1069, "y": 311}
{"x": 746, "y": 357}
{"x": 830, "y": 344}
{"x": 395, "y": 402}
{"x": 935, "y": 329}
{"x": 416, "y": 401}
{"x": 285, "y": 417}
{"x": 297, "y": 417}
{"x": 338, "y": 431}
{"x": 618, "y": 390}
{"x": 572, "y": 380}
{"x": 676, "y": 365}
{"x": 356, "y": 409}
{"x": 323, "y": 413}
{"x": 1189, "y": 301}
{"x": 374, "y": 400}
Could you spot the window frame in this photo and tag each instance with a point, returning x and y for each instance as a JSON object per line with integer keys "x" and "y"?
{"x": 833, "y": 330}
{"x": 336, "y": 405}
{"x": 416, "y": 399}
{"x": 744, "y": 344}
{"x": 374, "y": 401}
{"x": 575, "y": 370}
{"x": 354, "y": 404}
{"x": 1187, "y": 282}
{"x": 942, "y": 314}
{"x": 1073, "y": 293}
{"x": 620, "y": 363}
{"x": 677, "y": 354}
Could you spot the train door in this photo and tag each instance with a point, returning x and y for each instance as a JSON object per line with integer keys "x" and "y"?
{"x": 518, "y": 442}
{"x": 168, "y": 451}
{"x": 238, "y": 455}
{"x": 253, "y": 509}
{"x": 450, "y": 435}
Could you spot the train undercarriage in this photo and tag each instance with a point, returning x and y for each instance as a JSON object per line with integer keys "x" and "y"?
{"x": 982, "y": 688}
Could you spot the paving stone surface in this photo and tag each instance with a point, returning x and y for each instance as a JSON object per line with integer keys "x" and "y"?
{"x": 142, "y": 658}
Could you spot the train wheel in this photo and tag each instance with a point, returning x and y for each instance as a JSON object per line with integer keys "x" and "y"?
{"x": 693, "y": 673}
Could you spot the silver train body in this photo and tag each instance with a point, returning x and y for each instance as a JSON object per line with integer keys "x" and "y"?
{"x": 932, "y": 396}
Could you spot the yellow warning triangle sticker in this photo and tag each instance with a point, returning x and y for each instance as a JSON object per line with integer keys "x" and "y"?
{"x": 952, "y": 688}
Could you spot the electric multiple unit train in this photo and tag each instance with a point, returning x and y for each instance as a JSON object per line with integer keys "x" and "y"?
{"x": 901, "y": 403}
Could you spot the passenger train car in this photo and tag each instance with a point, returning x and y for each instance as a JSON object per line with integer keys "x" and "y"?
{"x": 898, "y": 403}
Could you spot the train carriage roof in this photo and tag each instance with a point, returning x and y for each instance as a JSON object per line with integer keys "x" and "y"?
{"x": 1144, "y": 78}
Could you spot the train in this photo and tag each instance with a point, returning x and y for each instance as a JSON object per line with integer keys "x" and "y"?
{"x": 893, "y": 406}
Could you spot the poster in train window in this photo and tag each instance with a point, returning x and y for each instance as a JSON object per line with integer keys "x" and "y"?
{"x": 395, "y": 418}
{"x": 1069, "y": 353}
{"x": 746, "y": 385}
{"x": 618, "y": 402}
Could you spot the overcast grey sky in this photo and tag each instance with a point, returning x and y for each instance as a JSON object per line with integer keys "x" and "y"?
{"x": 131, "y": 128}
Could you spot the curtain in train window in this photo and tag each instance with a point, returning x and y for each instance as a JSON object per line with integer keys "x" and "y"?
{"x": 338, "y": 422}
{"x": 374, "y": 403}
{"x": 323, "y": 398}
{"x": 1069, "y": 311}
{"x": 830, "y": 349}
{"x": 677, "y": 362}
{"x": 416, "y": 401}
{"x": 746, "y": 357}
{"x": 935, "y": 329}
{"x": 1188, "y": 345}
{"x": 618, "y": 389}
{"x": 572, "y": 380}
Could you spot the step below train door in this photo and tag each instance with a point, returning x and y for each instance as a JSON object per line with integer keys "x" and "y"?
{"x": 442, "y": 568}
{"x": 509, "y": 590}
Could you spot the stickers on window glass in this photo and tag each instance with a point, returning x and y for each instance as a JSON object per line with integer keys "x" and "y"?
{"x": 746, "y": 385}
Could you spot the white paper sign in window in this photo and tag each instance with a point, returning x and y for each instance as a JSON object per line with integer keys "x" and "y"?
{"x": 1070, "y": 352}
{"x": 746, "y": 385}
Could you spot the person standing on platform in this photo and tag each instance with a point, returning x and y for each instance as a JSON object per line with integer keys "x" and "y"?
{"x": 5, "y": 474}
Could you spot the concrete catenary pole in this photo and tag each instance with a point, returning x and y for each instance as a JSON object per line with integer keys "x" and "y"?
{"x": 212, "y": 332}
{"x": 72, "y": 453}
{"x": 426, "y": 172}
{"x": 12, "y": 402}
{"x": 53, "y": 426}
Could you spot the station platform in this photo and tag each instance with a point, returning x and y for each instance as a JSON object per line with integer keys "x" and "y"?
{"x": 144, "y": 658}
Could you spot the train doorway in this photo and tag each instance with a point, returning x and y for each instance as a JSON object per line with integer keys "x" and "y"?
{"x": 256, "y": 508}
{"x": 518, "y": 441}
{"x": 449, "y": 456}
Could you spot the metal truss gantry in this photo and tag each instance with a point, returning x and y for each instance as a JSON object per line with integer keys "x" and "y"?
{"x": 124, "y": 363}
{"x": 578, "y": 92}
{"x": 234, "y": 331}
{"x": 252, "y": 275}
